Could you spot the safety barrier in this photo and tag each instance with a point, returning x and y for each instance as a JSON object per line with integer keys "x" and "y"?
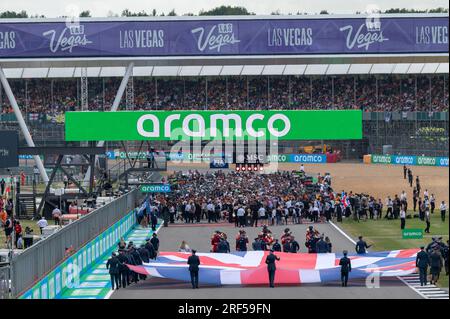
{"x": 48, "y": 255}
{"x": 67, "y": 274}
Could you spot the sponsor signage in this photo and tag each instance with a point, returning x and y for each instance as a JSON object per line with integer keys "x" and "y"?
{"x": 210, "y": 125}
{"x": 410, "y": 160}
{"x": 9, "y": 142}
{"x": 279, "y": 158}
{"x": 404, "y": 160}
{"x": 442, "y": 161}
{"x": 426, "y": 161}
{"x": 308, "y": 158}
{"x": 219, "y": 36}
{"x": 412, "y": 233}
{"x": 218, "y": 163}
{"x": 155, "y": 188}
{"x": 381, "y": 159}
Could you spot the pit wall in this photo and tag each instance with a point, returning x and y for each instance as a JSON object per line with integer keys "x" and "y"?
{"x": 52, "y": 285}
{"x": 406, "y": 160}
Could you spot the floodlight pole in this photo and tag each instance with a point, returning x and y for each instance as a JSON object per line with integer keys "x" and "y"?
{"x": 114, "y": 107}
{"x": 22, "y": 124}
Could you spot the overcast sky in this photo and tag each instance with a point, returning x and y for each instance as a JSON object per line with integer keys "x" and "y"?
{"x": 100, "y": 8}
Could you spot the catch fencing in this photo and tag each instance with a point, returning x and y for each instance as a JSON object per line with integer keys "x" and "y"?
{"x": 38, "y": 260}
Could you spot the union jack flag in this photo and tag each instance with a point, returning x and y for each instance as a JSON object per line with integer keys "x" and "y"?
{"x": 249, "y": 268}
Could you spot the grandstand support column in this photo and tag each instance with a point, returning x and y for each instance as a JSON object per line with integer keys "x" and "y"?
{"x": 114, "y": 107}
{"x": 22, "y": 124}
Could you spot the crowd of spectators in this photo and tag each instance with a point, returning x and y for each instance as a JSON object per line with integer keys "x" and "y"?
{"x": 370, "y": 93}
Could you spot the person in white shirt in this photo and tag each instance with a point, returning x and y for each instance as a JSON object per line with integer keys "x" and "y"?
{"x": 240, "y": 215}
{"x": 443, "y": 209}
{"x": 262, "y": 212}
{"x": 302, "y": 168}
{"x": 425, "y": 193}
{"x": 42, "y": 223}
{"x": 402, "y": 218}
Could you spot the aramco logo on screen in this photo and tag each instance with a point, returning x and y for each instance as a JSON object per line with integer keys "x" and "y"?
{"x": 213, "y": 125}
{"x": 199, "y": 122}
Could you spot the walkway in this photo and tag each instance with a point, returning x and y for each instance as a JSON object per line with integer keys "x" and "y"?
{"x": 95, "y": 283}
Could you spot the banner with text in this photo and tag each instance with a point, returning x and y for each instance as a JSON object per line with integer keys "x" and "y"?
{"x": 200, "y": 37}
{"x": 213, "y": 125}
{"x": 410, "y": 160}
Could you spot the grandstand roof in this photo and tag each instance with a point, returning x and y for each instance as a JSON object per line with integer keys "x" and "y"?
{"x": 232, "y": 70}
{"x": 42, "y": 64}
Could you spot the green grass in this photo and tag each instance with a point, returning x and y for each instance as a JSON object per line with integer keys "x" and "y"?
{"x": 24, "y": 223}
{"x": 386, "y": 234}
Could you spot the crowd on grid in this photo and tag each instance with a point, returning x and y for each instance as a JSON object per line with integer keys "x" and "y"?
{"x": 247, "y": 199}
{"x": 282, "y": 198}
{"x": 370, "y": 93}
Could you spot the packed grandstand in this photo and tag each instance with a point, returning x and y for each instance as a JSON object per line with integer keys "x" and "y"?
{"x": 371, "y": 93}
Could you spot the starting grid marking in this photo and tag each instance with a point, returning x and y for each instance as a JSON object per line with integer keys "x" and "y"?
{"x": 428, "y": 291}
{"x": 95, "y": 283}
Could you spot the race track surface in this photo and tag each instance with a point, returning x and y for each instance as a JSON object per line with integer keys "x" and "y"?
{"x": 198, "y": 238}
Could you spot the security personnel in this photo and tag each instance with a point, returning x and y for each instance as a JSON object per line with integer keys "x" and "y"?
{"x": 194, "y": 263}
{"x": 113, "y": 264}
{"x": 422, "y": 262}
{"x": 361, "y": 246}
{"x": 405, "y": 170}
{"x": 346, "y": 268}
{"x": 271, "y": 267}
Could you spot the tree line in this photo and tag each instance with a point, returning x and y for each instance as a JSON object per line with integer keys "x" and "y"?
{"x": 218, "y": 11}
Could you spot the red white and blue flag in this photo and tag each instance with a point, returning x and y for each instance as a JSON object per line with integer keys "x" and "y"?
{"x": 249, "y": 268}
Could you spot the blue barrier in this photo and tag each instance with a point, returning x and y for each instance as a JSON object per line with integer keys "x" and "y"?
{"x": 308, "y": 158}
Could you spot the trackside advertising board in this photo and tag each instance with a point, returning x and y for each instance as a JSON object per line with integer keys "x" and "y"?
{"x": 155, "y": 188}
{"x": 210, "y": 125}
{"x": 410, "y": 160}
{"x": 412, "y": 233}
